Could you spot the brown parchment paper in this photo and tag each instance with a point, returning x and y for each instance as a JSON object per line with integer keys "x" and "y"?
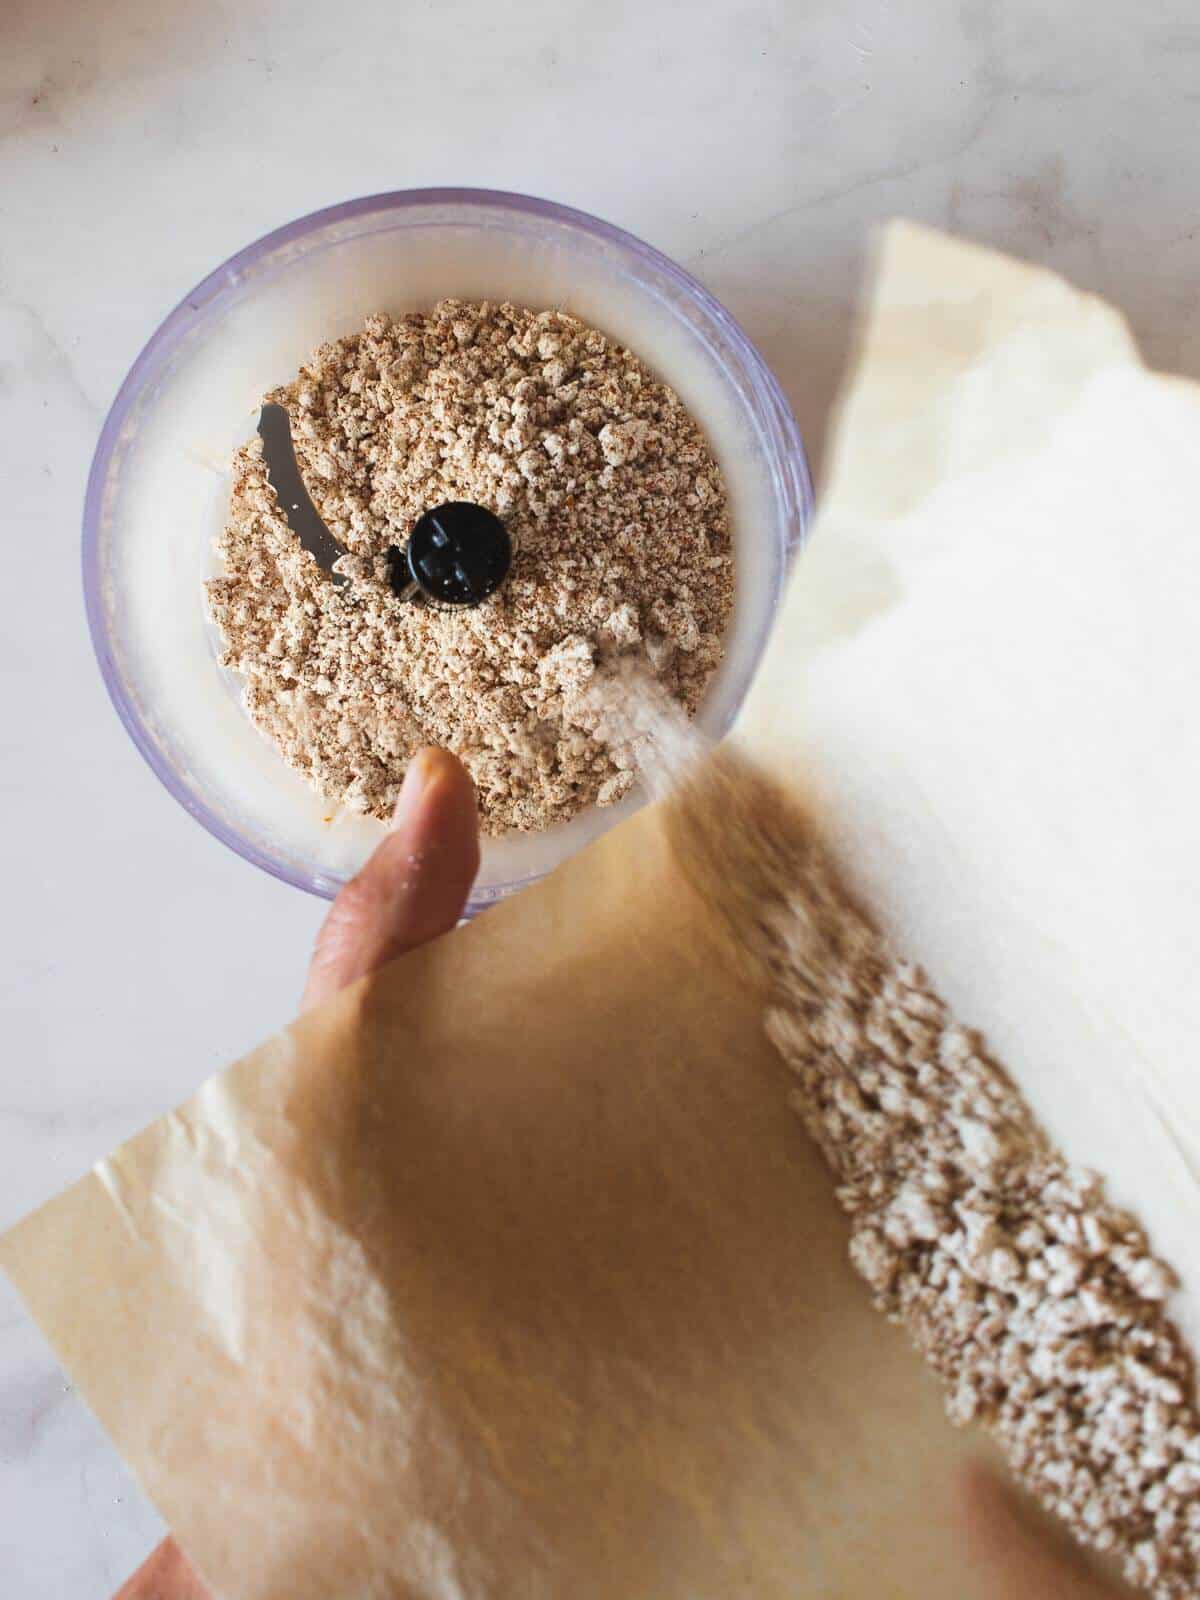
{"x": 510, "y": 1272}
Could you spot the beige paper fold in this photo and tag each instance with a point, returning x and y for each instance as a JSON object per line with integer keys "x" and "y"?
{"x": 509, "y": 1272}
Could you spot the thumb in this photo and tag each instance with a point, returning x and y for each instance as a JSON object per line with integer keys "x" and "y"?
{"x": 413, "y": 888}
{"x": 166, "y": 1575}
{"x": 1020, "y": 1552}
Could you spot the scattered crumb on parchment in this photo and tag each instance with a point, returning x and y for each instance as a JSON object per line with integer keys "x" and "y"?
{"x": 1040, "y": 1306}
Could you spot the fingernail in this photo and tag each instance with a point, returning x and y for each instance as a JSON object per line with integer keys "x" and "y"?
{"x": 416, "y": 781}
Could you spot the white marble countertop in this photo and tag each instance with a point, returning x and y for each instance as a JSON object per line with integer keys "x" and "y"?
{"x": 144, "y": 141}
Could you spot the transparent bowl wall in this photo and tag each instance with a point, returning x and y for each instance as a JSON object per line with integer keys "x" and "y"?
{"x": 160, "y": 481}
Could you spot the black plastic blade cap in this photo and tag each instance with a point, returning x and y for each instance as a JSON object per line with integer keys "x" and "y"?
{"x": 459, "y": 554}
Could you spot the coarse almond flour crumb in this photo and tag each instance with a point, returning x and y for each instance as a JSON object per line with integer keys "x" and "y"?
{"x": 1040, "y": 1305}
{"x": 613, "y": 499}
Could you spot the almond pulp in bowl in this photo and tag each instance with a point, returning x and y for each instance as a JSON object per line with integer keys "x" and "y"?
{"x": 160, "y": 481}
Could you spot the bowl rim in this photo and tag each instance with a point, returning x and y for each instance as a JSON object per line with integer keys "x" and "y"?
{"x": 789, "y": 444}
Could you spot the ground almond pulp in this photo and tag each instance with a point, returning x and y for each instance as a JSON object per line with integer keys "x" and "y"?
{"x": 620, "y": 518}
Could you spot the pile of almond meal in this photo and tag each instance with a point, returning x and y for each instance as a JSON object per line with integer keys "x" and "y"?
{"x": 610, "y": 493}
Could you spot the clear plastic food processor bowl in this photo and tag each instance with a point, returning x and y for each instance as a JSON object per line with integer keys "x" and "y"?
{"x": 160, "y": 481}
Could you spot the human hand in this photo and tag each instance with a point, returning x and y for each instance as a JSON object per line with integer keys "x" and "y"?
{"x": 1018, "y": 1551}
{"x": 1011, "y": 1556}
{"x": 412, "y": 890}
